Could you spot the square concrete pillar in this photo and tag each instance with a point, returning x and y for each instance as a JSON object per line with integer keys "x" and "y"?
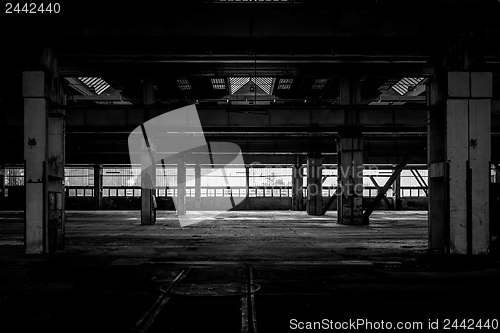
{"x": 44, "y": 154}
{"x": 148, "y": 164}
{"x": 97, "y": 186}
{"x": 197, "y": 187}
{"x": 2, "y": 184}
{"x": 181, "y": 185}
{"x": 247, "y": 186}
{"x": 36, "y": 137}
{"x": 480, "y": 156}
{"x": 297, "y": 187}
{"x": 396, "y": 193}
{"x": 459, "y": 151}
{"x": 314, "y": 186}
{"x": 148, "y": 184}
{"x": 350, "y": 180}
{"x": 55, "y": 181}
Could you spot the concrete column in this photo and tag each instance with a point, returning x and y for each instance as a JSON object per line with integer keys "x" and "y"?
{"x": 2, "y": 183}
{"x": 350, "y": 156}
{"x": 480, "y": 156}
{"x": 350, "y": 94}
{"x": 36, "y": 116}
{"x": 297, "y": 184}
{"x": 197, "y": 187}
{"x": 148, "y": 165}
{"x": 97, "y": 186}
{"x": 247, "y": 185}
{"x": 314, "y": 186}
{"x": 350, "y": 179}
{"x": 497, "y": 175}
{"x": 55, "y": 184}
{"x": 44, "y": 145}
{"x": 181, "y": 185}
{"x": 438, "y": 218}
{"x": 459, "y": 169}
{"x": 148, "y": 185}
{"x": 396, "y": 193}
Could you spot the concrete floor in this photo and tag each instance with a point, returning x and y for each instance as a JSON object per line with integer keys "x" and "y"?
{"x": 304, "y": 267}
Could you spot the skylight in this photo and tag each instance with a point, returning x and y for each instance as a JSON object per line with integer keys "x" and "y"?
{"x": 184, "y": 84}
{"x": 235, "y": 83}
{"x": 96, "y": 84}
{"x": 264, "y": 83}
{"x": 319, "y": 84}
{"x": 388, "y": 84}
{"x": 218, "y": 84}
{"x": 407, "y": 83}
{"x": 284, "y": 84}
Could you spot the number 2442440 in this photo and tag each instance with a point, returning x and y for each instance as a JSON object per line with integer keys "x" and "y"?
{"x": 32, "y": 8}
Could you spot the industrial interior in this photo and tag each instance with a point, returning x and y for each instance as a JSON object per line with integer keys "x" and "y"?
{"x": 249, "y": 166}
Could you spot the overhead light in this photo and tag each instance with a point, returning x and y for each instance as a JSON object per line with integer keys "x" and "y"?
{"x": 252, "y": 88}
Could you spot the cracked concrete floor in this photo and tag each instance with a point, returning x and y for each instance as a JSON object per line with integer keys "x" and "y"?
{"x": 305, "y": 267}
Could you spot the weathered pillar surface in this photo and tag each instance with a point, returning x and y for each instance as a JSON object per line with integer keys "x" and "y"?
{"x": 148, "y": 165}
{"x": 97, "y": 186}
{"x": 350, "y": 156}
{"x": 459, "y": 169}
{"x": 314, "y": 186}
{"x": 297, "y": 185}
{"x": 438, "y": 224}
{"x": 148, "y": 184}
{"x": 350, "y": 179}
{"x": 44, "y": 156}
{"x": 2, "y": 183}
{"x": 181, "y": 185}
{"x": 55, "y": 184}
{"x": 247, "y": 186}
{"x": 396, "y": 193}
{"x": 36, "y": 117}
{"x": 197, "y": 186}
